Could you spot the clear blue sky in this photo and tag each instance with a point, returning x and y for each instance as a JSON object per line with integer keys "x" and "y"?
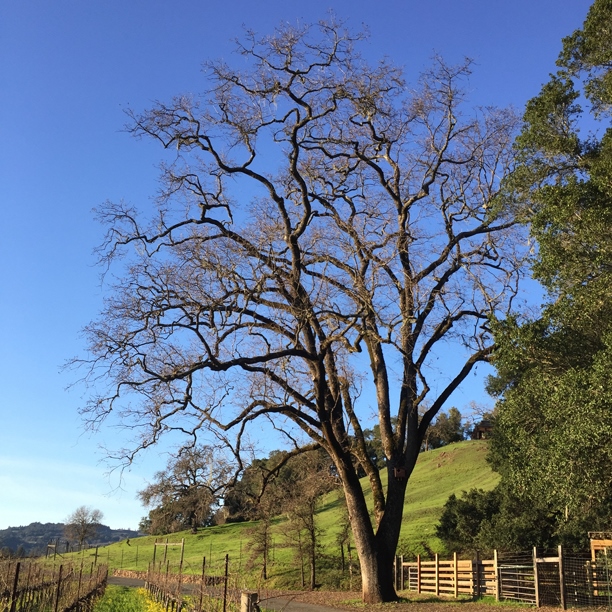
{"x": 68, "y": 69}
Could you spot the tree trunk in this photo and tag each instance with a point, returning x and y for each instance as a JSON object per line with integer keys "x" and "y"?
{"x": 265, "y": 553}
{"x": 313, "y": 558}
{"x": 376, "y": 550}
{"x": 377, "y": 578}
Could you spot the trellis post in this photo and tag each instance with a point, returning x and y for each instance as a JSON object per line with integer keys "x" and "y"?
{"x": 15, "y": 584}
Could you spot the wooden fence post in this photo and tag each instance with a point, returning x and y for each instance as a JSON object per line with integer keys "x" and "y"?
{"x": 437, "y": 559}
{"x": 179, "y": 603}
{"x": 496, "y": 573}
{"x": 248, "y": 602}
{"x": 455, "y": 575}
{"x": 562, "y": 579}
{"x": 398, "y": 566}
{"x": 535, "y": 577}
{"x": 418, "y": 573}
{"x": 476, "y": 571}
{"x": 59, "y": 586}
{"x": 80, "y": 578}
{"x": 202, "y": 584}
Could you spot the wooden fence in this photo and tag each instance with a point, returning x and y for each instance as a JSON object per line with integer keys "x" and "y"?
{"x": 454, "y": 577}
{"x": 536, "y": 578}
{"x": 26, "y": 586}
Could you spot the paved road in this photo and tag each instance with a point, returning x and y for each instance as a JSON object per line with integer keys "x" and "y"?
{"x": 275, "y": 603}
{"x": 288, "y": 605}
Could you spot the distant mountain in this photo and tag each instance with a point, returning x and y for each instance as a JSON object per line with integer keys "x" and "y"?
{"x": 34, "y": 538}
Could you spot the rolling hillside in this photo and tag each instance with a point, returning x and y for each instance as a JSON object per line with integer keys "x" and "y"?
{"x": 439, "y": 473}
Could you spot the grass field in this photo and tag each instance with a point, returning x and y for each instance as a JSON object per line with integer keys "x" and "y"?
{"x": 123, "y": 599}
{"x": 439, "y": 473}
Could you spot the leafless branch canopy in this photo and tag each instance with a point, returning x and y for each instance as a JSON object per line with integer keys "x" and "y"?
{"x": 318, "y": 220}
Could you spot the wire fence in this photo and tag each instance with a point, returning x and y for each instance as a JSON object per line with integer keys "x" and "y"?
{"x": 539, "y": 578}
{"x": 587, "y": 581}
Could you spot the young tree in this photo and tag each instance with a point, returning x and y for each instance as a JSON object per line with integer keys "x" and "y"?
{"x": 318, "y": 219}
{"x": 343, "y": 537}
{"x": 184, "y": 495}
{"x": 309, "y": 481}
{"x": 259, "y": 496}
{"x": 260, "y": 538}
{"x": 82, "y": 524}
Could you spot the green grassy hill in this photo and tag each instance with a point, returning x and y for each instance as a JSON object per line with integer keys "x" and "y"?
{"x": 439, "y": 473}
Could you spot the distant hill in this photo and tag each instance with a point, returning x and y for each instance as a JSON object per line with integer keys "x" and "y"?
{"x": 33, "y": 539}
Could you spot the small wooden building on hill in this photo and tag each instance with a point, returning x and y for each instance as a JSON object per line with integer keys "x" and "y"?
{"x": 483, "y": 430}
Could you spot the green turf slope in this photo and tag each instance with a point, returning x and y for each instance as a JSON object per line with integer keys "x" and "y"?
{"x": 439, "y": 473}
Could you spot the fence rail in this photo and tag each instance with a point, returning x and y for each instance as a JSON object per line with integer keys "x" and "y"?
{"x": 34, "y": 587}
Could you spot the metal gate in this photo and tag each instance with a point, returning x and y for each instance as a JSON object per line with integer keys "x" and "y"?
{"x": 516, "y": 578}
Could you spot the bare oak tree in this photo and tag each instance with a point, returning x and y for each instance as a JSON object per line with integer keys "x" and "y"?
{"x": 82, "y": 524}
{"x": 324, "y": 234}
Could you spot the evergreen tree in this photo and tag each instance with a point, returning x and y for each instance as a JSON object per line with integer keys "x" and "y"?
{"x": 186, "y": 493}
{"x": 552, "y": 442}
